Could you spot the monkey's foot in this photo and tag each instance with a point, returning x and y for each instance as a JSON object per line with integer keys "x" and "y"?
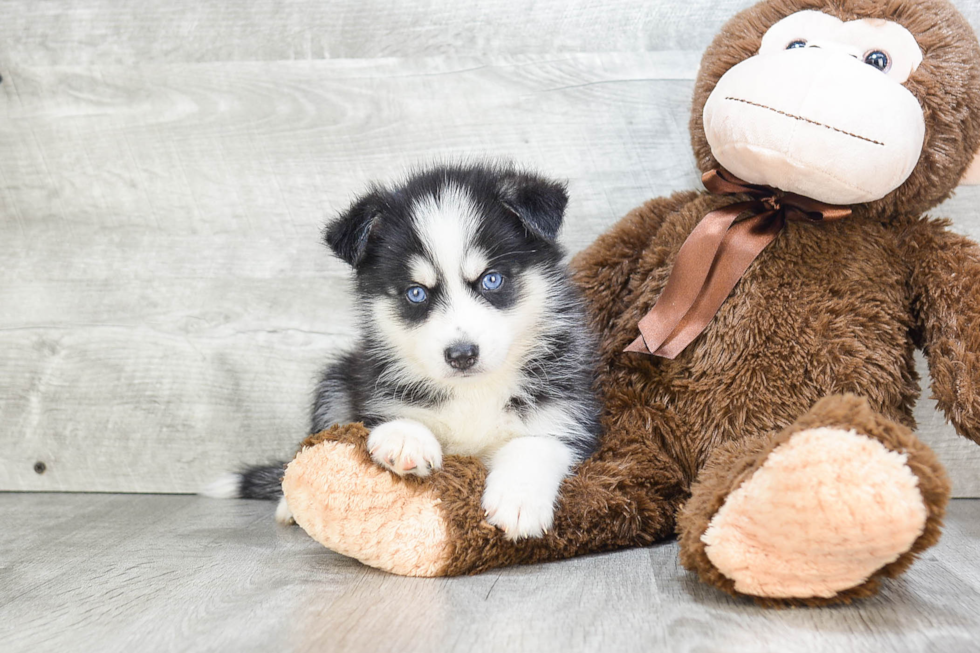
{"x": 817, "y": 513}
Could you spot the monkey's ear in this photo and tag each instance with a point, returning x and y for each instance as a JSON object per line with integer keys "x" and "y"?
{"x": 972, "y": 175}
{"x": 347, "y": 235}
{"x": 538, "y": 202}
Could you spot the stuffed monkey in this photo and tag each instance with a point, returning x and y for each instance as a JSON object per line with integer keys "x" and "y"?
{"x": 759, "y": 382}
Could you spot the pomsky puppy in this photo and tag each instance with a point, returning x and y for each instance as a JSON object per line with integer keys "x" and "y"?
{"x": 473, "y": 340}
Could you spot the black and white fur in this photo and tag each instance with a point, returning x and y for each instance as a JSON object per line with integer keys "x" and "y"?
{"x": 492, "y": 358}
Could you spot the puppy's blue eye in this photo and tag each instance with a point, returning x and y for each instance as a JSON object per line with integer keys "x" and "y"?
{"x": 492, "y": 280}
{"x": 416, "y": 294}
{"x": 798, "y": 43}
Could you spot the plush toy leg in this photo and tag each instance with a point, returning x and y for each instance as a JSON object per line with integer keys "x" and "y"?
{"x": 436, "y": 526}
{"x": 817, "y": 513}
{"x": 349, "y": 504}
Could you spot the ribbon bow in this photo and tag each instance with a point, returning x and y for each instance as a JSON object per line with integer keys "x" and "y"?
{"x": 716, "y": 255}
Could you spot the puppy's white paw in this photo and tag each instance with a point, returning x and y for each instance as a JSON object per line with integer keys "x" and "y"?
{"x": 284, "y": 515}
{"x": 523, "y": 483}
{"x": 405, "y": 446}
{"x": 519, "y": 505}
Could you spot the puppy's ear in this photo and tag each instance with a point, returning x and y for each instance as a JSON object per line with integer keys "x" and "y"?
{"x": 347, "y": 235}
{"x": 538, "y": 202}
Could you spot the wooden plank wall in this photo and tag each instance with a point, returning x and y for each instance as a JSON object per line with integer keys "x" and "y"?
{"x": 166, "y": 165}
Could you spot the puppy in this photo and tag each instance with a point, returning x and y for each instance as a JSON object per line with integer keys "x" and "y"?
{"x": 473, "y": 341}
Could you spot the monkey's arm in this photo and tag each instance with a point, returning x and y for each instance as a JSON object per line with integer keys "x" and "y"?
{"x": 603, "y": 269}
{"x": 945, "y": 284}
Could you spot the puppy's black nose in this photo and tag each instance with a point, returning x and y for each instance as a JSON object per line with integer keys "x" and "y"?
{"x": 462, "y": 355}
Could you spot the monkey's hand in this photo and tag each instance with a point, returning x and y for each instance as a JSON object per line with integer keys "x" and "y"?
{"x": 945, "y": 286}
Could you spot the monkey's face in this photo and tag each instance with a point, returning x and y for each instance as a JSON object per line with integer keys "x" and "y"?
{"x": 821, "y": 109}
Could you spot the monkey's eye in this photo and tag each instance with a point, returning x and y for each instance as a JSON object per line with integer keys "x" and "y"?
{"x": 416, "y": 294}
{"x": 798, "y": 43}
{"x": 877, "y": 58}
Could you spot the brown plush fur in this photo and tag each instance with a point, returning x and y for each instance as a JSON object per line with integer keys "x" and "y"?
{"x": 945, "y": 282}
{"x": 825, "y": 310}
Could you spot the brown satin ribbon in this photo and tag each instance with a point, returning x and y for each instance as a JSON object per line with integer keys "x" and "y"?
{"x": 716, "y": 255}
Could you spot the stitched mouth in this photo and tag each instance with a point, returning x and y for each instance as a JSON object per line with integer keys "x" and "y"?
{"x": 806, "y": 120}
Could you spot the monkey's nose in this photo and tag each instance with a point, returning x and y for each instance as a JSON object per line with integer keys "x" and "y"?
{"x": 462, "y": 355}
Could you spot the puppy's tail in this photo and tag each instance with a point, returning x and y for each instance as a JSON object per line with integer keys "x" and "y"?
{"x": 259, "y": 482}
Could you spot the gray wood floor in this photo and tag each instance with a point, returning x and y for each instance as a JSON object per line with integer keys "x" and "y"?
{"x": 106, "y": 573}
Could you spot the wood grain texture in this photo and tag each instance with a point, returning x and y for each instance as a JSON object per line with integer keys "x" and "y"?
{"x": 111, "y": 573}
{"x": 171, "y": 300}
{"x": 97, "y": 32}
{"x": 165, "y": 302}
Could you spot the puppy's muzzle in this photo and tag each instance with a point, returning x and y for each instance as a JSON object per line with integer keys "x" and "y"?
{"x": 462, "y": 355}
